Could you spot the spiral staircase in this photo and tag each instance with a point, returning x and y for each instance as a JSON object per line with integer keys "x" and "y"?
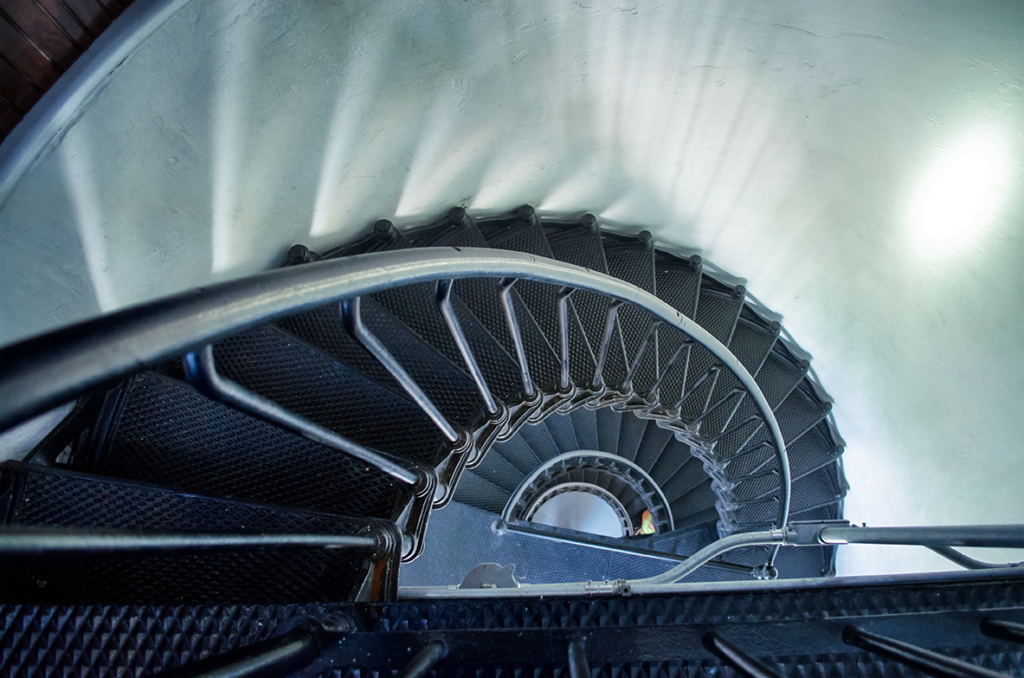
{"x": 420, "y": 431}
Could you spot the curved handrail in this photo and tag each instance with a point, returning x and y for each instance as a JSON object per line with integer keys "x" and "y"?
{"x": 43, "y": 372}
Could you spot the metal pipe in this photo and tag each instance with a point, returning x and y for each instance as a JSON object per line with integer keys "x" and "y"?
{"x": 273, "y": 658}
{"x": 994, "y": 536}
{"x": 444, "y": 303}
{"x": 517, "y": 338}
{"x": 644, "y": 553}
{"x": 424, "y": 660}
{"x": 16, "y": 541}
{"x": 578, "y": 666}
{"x": 353, "y": 319}
{"x": 702, "y": 556}
{"x": 201, "y": 372}
{"x": 1003, "y": 630}
{"x": 649, "y": 339}
{"x": 563, "y": 335}
{"x": 43, "y": 372}
{"x": 966, "y": 561}
{"x": 740, "y": 661}
{"x": 926, "y": 661}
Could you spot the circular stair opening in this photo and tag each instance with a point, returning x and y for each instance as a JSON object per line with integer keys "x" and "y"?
{"x": 582, "y": 507}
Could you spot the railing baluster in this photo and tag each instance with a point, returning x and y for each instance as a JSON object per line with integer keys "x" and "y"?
{"x": 444, "y": 302}
{"x": 563, "y": 335}
{"x": 352, "y": 316}
{"x": 1003, "y": 630}
{"x": 425, "y": 660}
{"x": 926, "y": 661}
{"x": 606, "y": 340}
{"x": 740, "y": 661}
{"x": 505, "y": 288}
{"x": 686, "y": 345}
{"x": 648, "y": 341}
{"x": 700, "y": 382}
{"x": 578, "y": 666}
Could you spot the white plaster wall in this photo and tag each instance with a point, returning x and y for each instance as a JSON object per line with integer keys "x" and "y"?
{"x": 860, "y": 164}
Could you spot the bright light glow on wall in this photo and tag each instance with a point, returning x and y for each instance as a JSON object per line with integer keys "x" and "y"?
{"x": 960, "y": 195}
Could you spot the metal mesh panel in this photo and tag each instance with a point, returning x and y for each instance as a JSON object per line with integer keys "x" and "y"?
{"x": 717, "y": 311}
{"x": 815, "y": 489}
{"x": 698, "y": 499}
{"x": 63, "y": 499}
{"x": 634, "y": 263}
{"x": 584, "y": 423}
{"x": 683, "y": 479}
{"x": 538, "y": 437}
{"x": 498, "y": 470}
{"x": 671, "y": 460}
{"x": 631, "y": 433}
{"x": 608, "y": 423}
{"x": 170, "y": 435}
{"x": 480, "y": 493}
{"x": 106, "y": 640}
{"x": 562, "y": 432}
{"x": 518, "y": 453}
{"x": 655, "y": 442}
{"x": 277, "y": 366}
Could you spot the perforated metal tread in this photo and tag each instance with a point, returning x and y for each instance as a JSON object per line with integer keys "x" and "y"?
{"x": 281, "y": 367}
{"x": 718, "y": 309}
{"x": 482, "y": 297}
{"x": 677, "y": 283}
{"x": 541, "y": 298}
{"x": 170, "y": 435}
{"x": 632, "y": 261}
{"x": 40, "y": 496}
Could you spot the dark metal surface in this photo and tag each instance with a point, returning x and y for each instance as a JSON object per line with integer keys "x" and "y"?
{"x": 930, "y": 663}
{"x": 743, "y": 663}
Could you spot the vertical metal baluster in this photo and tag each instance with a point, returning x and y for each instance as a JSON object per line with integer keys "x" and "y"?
{"x": 644, "y": 347}
{"x": 606, "y": 340}
{"x": 505, "y": 288}
{"x": 578, "y": 666}
{"x": 563, "y": 334}
{"x": 740, "y": 661}
{"x": 350, "y": 312}
{"x": 444, "y": 302}
{"x": 926, "y": 661}
{"x": 425, "y": 660}
{"x": 685, "y": 346}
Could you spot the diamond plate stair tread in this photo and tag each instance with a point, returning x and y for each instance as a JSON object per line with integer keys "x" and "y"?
{"x": 170, "y": 435}
{"x": 278, "y": 366}
{"x": 608, "y": 424}
{"x": 416, "y": 307}
{"x": 518, "y": 452}
{"x": 482, "y": 298}
{"x": 813, "y": 490}
{"x": 778, "y": 376}
{"x": 685, "y": 479}
{"x": 677, "y": 284}
{"x": 542, "y": 299}
{"x": 584, "y": 423}
{"x": 497, "y": 470}
{"x": 631, "y": 433}
{"x": 694, "y": 501}
{"x": 717, "y": 312}
{"x": 480, "y": 493}
{"x": 562, "y": 432}
{"x": 538, "y": 437}
{"x": 797, "y": 414}
{"x": 58, "y": 498}
{"x": 634, "y": 263}
{"x": 672, "y": 459}
{"x": 751, "y": 343}
{"x": 654, "y": 444}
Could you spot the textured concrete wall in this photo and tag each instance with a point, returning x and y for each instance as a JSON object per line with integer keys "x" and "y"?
{"x": 859, "y": 164}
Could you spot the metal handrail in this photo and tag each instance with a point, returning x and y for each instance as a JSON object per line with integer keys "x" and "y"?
{"x": 43, "y": 372}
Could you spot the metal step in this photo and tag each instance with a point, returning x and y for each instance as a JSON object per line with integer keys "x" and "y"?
{"x": 631, "y": 434}
{"x": 677, "y": 284}
{"x": 517, "y": 452}
{"x": 632, "y": 260}
{"x": 162, "y": 431}
{"x": 497, "y": 470}
{"x": 36, "y": 496}
{"x": 562, "y": 432}
{"x": 608, "y": 424}
{"x": 717, "y": 312}
{"x": 584, "y": 423}
{"x": 524, "y": 233}
{"x": 654, "y": 444}
{"x": 277, "y": 365}
{"x": 478, "y": 492}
